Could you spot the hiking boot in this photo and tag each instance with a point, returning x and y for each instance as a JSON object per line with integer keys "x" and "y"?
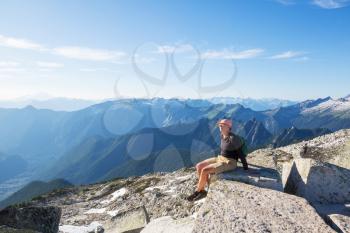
{"x": 197, "y": 195}
{"x": 200, "y": 195}
{"x": 192, "y": 196}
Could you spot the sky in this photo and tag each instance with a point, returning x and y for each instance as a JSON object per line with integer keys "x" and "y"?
{"x": 286, "y": 49}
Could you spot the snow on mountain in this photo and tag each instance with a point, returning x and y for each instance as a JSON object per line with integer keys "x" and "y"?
{"x": 335, "y": 105}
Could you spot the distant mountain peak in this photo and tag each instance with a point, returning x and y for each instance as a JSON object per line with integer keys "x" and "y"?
{"x": 29, "y": 107}
{"x": 347, "y": 97}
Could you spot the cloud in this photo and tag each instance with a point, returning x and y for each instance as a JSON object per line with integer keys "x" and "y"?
{"x": 181, "y": 48}
{"x": 98, "y": 70}
{"x": 227, "y": 54}
{"x": 49, "y": 65}
{"x": 19, "y": 43}
{"x": 11, "y": 70}
{"x": 331, "y": 4}
{"x": 325, "y": 4}
{"x": 143, "y": 60}
{"x": 302, "y": 59}
{"x": 83, "y": 53}
{"x": 286, "y": 2}
{"x": 9, "y": 64}
{"x": 80, "y": 53}
{"x": 287, "y": 55}
{"x": 10, "y": 67}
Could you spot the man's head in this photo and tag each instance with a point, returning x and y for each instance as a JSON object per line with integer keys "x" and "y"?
{"x": 225, "y": 125}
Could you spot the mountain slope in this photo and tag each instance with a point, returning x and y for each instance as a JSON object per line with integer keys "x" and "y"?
{"x": 294, "y": 135}
{"x": 11, "y": 166}
{"x": 149, "y": 149}
{"x": 254, "y": 104}
{"x": 256, "y": 134}
{"x": 33, "y": 189}
{"x": 310, "y": 114}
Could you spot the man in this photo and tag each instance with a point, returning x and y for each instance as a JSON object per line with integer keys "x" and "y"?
{"x": 231, "y": 150}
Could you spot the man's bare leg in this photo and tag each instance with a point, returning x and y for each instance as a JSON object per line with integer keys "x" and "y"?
{"x": 203, "y": 179}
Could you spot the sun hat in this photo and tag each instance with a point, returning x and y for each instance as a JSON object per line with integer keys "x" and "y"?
{"x": 225, "y": 122}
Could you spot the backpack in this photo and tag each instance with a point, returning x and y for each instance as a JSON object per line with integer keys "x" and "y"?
{"x": 244, "y": 147}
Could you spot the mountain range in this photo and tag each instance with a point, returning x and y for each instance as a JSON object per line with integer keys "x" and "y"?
{"x": 45, "y": 101}
{"x": 108, "y": 139}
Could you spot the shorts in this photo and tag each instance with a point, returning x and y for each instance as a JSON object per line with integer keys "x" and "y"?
{"x": 222, "y": 163}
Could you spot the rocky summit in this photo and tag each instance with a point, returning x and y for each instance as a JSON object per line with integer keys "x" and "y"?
{"x": 303, "y": 187}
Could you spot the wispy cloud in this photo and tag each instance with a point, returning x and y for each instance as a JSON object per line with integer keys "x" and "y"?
{"x": 228, "y": 54}
{"x": 83, "y": 53}
{"x": 9, "y": 64}
{"x": 143, "y": 60}
{"x": 10, "y": 67}
{"x": 19, "y": 43}
{"x": 302, "y": 59}
{"x": 49, "y": 65}
{"x": 98, "y": 70}
{"x": 325, "y": 4}
{"x": 181, "y": 48}
{"x": 287, "y": 55}
{"x": 331, "y": 4}
{"x": 11, "y": 70}
{"x": 286, "y": 2}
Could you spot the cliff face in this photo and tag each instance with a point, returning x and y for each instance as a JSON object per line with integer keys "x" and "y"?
{"x": 285, "y": 190}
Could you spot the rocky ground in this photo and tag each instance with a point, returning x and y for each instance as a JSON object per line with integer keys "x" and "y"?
{"x": 162, "y": 194}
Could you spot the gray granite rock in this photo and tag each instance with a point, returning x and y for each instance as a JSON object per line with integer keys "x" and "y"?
{"x": 332, "y": 148}
{"x": 340, "y": 222}
{"x": 42, "y": 219}
{"x": 7, "y": 229}
{"x": 237, "y": 207}
{"x": 256, "y": 175}
{"x": 167, "y": 224}
{"x": 337, "y": 215}
{"x": 132, "y": 220}
{"x": 316, "y": 181}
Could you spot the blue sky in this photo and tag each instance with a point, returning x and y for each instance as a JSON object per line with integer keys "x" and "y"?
{"x": 243, "y": 48}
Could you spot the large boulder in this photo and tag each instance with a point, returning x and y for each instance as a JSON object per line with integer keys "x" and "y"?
{"x": 167, "y": 224}
{"x": 133, "y": 220}
{"x": 336, "y": 215}
{"x": 332, "y": 148}
{"x": 316, "y": 181}
{"x": 255, "y": 175}
{"x": 7, "y": 229}
{"x": 41, "y": 219}
{"x": 237, "y": 207}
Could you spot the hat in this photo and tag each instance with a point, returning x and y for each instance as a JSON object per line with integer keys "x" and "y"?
{"x": 225, "y": 122}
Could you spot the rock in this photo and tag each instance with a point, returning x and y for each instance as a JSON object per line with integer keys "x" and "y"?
{"x": 332, "y": 148}
{"x": 6, "y": 229}
{"x": 316, "y": 181}
{"x": 167, "y": 224}
{"x": 340, "y": 223}
{"x": 262, "y": 157}
{"x": 93, "y": 227}
{"x": 237, "y": 207}
{"x": 108, "y": 189}
{"x": 42, "y": 219}
{"x": 337, "y": 215}
{"x": 133, "y": 220}
{"x": 99, "y": 229}
{"x": 259, "y": 176}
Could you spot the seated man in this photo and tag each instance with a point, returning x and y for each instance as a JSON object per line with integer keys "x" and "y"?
{"x": 231, "y": 150}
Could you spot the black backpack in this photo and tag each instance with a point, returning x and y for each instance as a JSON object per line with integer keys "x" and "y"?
{"x": 244, "y": 147}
